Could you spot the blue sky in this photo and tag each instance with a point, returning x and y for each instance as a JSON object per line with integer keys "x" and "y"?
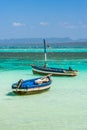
{"x": 43, "y": 18}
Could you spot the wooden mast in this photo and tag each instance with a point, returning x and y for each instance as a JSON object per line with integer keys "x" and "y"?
{"x": 45, "y": 56}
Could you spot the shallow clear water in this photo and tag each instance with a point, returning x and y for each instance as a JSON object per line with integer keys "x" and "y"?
{"x": 63, "y": 107}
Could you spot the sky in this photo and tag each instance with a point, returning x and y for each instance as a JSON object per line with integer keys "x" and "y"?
{"x": 43, "y": 19}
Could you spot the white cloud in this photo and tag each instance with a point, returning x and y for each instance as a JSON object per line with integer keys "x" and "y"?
{"x": 73, "y": 26}
{"x": 84, "y": 26}
{"x": 68, "y": 25}
{"x": 43, "y": 23}
{"x": 17, "y": 24}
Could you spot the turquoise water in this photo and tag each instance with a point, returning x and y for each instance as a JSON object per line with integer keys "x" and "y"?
{"x": 48, "y": 50}
{"x": 63, "y": 107}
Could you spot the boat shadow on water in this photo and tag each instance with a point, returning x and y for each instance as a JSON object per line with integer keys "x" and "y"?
{"x": 11, "y": 94}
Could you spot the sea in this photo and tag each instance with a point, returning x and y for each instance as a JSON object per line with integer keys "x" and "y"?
{"x": 62, "y": 107}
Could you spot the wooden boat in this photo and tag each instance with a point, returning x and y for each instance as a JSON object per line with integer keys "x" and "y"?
{"x": 50, "y": 70}
{"x": 53, "y": 71}
{"x": 32, "y": 86}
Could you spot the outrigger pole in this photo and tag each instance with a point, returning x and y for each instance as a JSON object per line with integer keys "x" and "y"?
{"x": 45, "y": 56}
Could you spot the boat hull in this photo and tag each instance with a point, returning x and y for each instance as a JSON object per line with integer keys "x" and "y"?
{"x": 30, "y": 92}
{"x": 45, "y": 71}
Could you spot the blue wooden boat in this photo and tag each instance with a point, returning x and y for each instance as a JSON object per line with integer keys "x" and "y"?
{"x": 50, "y": 70}
{"x": 53, "y": 71}
{"x": 32, "y": 86}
